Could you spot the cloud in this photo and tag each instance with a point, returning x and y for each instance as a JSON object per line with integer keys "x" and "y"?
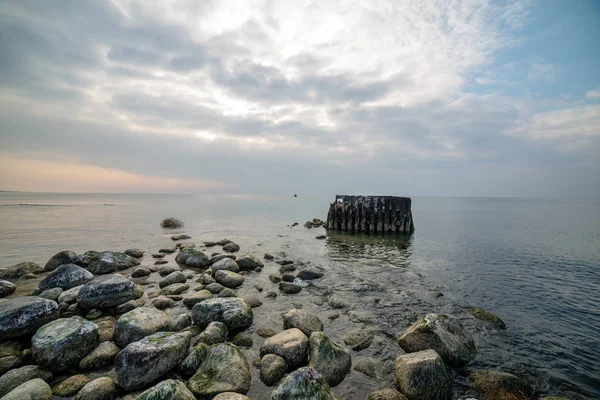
{"x": 593, "y": 94}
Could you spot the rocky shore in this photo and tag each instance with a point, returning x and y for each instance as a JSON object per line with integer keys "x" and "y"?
{"x": 185, "y": 322}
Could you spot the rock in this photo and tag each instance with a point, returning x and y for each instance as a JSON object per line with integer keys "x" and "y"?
{"x": 22, "y": 316}
{"x": 224, "y": 369}
{"x": 11, "y": 348}
{"x": 304, "y": 383}
{"x": 303, "y": 320}
{"x": 223, "y": 242}
{"x": 169, "y": 389}
{"x": 106, "y": 328}
{"x": 275, "y": 278}
{"x": 289, "y": 288}
{"x": 496, "y": 385}
{"x": 66, "y": 276}
{"x": 287, "y": 268}
{"x": 6, "y": 288}
{"x": 386, "y": 394}
{"x": 309, "y": 273}
{"x": 359, "y": 339}
{"x": 321, "y": 237}
{"x": 231, "y": 247}
{"x": 214, "y": 288}
{"x": 215, "y": 332}
{"x": 229, "y": 279}
{"x": 366, "y": 366}
{"x": 186, "y": 245}
{"x": 162, "y": 303}
{"x": 231, "y": 396}
{"x": 227, "y": 292}
{"x": 60, "y": 258}
{"x": 272, "y": 369}
{"x": 140, "y": 272}
{"x": 265, "y": 332}
{"x": 329, "y": 359}
{"x": 99, "y": 389}
{"x": 101, "y": 356}
{"x": 180, "y": 236}
{"x": 442, "y": 333}
{"x": 192, "y": 258}
{"x": 144, "y": 361}
{"x": 253, "y": 301}
{"x": 190, "y": 364}
{"x": 69, "y": 296}
{"x": 287, "y": 277}
{"x": 209, "y": 244}
{"x": 290, "y": 344}
{"x": 271, "y": 295}
{"x": 8, "y": 363}
{"x": 168, "y": 249}
{"x": 336, "y": 302}
{"x": 233, "y": 312}
{"x": 226, "y": 264}
{"x": 218, "y": 257}
{"x": 168, "y": 269}
{"x": 106, "y": 291}
{"x": 20, "y": 269}
{"x": 94, "y": 314}
{"x": 175, "y": 289}
{"x": 243, "y": 340}
{"x": 16, "y": 377}
{"x": 111, "y": 261}
{"x": 70, "y": 386}
{"x": 423, "y": 375}
{"x": 488, "y": 317}
{"x": 158, "y": 255}
{"x": 249, "y": 263}
{"x": 35, "y": 389}
{"x": 135, "y": 253}
{"x": 191, "y": 299}
{"x": 51, "y": 294}
{"x": 436, "y": 294}
{"x": 333, "y": 315}
{"x": 130, "y": 305}
{"x": 61, "y": 344}
{"x": 182, "y": 322}
{"x": 268, "y": 256}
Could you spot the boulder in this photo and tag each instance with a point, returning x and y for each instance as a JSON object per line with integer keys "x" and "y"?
{"x": 232, "y": 311}
{"x": 61, "y": 344}
{"x": 69, "y": 296}
{"x": 20, "y": 269}
{"x": 329, "y": 359}
{"x": 70, "y": 386}
{"x": 303, "y": 383}
{"x": 291, "y": 345}
{"x": 35, "y": 389}
{"x": 272, "y": 369}
{"x": 231, "y": 247}
{"x": 488, "y": 317}
{"x": 16, "y": 377}
{"x": 99, "y": 389}
{"x": 190, "y": 300}
{"x": 106, "y": 326}
{"x": 243, "y": 339}
{"x": 135, "y": 253}
{"x": 309, "y": 273}
{"x": 22, "y": 316}
{"x": 214, "y": 287}
{"x": 140, "y": 272}
{"x": 168, "y": 249}
{"x": 144, "y": 361}
{"x": 386, "y": 394}
{"x": 366, "y": 366}
{"x": 168, "y": 269}
{"x": 215, "y": 332}
{"x": 174, "y": 277}
{"x": 192, "y": 258}
{"x": 181, "y": 322}
{"x": 218, "y": 257}
{"x": 303, "y": 320}
{"x": 443, "y": 333}
{"x": 169, "y": 389}
{"x": 359, "y": 339}
{"x": 111, "y": 261}
{"x": 128, "y": 306}
{"x": 51, "y": 294}
{"x": 229, "y": 279}
{"x": 60, "y": 258}
{"x": 225, "y": 263}
{"x": 175, "y": 289}
{"x": 106, "y": 291}
{"x": 101, "y": 356}
{"x": 162, "y": 303}
{"x": 224, "y": 369}
{"x": 66, "y": 276}
{"x": 249, "y": 263}
{"x": 423, "y": 375}
{"x": 6, "y": 288}
{"x": 139, "y": 323}
{"x": 83, "y": 260}
{"x": 9, "y": 362}
{"x": 190, "y": 364}
{"x": 496, "y": 385}
{"x": 289, "y": 288}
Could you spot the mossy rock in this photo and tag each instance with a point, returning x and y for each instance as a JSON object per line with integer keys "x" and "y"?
{"x": 243, "y": 340}
{"x": 496, "y": 385}
{"x": 70, "y": 386}
{"x": 169, "y": 389}
{"x": 488, "y": 317}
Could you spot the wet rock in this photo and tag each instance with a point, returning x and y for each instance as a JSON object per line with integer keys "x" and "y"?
{"x": 227, "y": 292}
{"x": 215, "y": 332}
{"x": 205, "y": 279}
{"x": 223, "y": 242}
{"x": 169, "y": 389}
{"x": 243, "y": 340}
{"x": 70, "y": 386}
{"x": 304, "y": 383}
{"x": 336, "y": 302}
{"x": 209, "y": 244}
{"x": 366, "y": 366}
{"x": 224, "y": 369}
{"x": 106, "y": 328}
{"x": 436, "y": 294}
{"x": 303, "y": 320}
{"x": 60, "y": 258}
{"x": 231, "y": 396}
{"x": 386, "y": 394}
{"x": 61, "y": 344}
{"x": 218, "y": 257}
{"x": 110, "y": 261}
{"x": 11, "y": 348}
{"x": 249, "y": 263}
{"x": 290, "y": 344}
{"x": 139, "y": 323}
{"x": 226, "y": 264}
{"x": 268, "y": 256}
{"x": 333, "y": 315}
{"x": 287, "y": 277}
{"x": 162, "y": 303}
{"x": 128, "y": 306}
{"x": 175, "y": 277}
{"x": 309, "y": 273}
{"x": 488, "y": 317}
{"x": 9, "y": 362}
{"x": 190, "y": 364}
{"x": 180, "y": 236}
{"x": 443, "y": 333}
{"x": 289, "y": 288}
{"x": 229, "y": 279}
{"x": 99, "y": 389}
{"x": 272, "y": 369}
{"x": 158, "y": 255}
{"x": 423, "y": 375}
{"x": 66, "y": 276}
{"x": 231, "y": 247}
{"x": 101, "y": 356}
{"x": 275, "y": 278}
{"x": 359, "y": 339}
{"x": 135, "y": 253}
{"x": 106, "y": 291}
{"x": 16, "y": 377}
{"x": 233, "y": 312}
{"x": 253, "y": 301}
{"x": 265, "y": 332}
{"x": 94, "y": 314}
{"x": 175, "y": 289}
{"x": 496, "y": 385}
{"x": 140, "y": 272}
{"x": 6, "y": 288}
{"x": 51, "y": 294}
{"x": 35, "y": 389}
{"x": 142, "y": 362}
{"x": 69, "y": 296}
{"x": 182, "y": 322}
{"x": 271, "y": 294}
{"x": 168, "y": 269}
{"x": 192, "y": 258}
{"x": 168, "y": 249}
{"x": 191, "y": 299}
{"x": 20, "y": 269}
{"x": 287, "y": 268}
{"x": 24, "y": 315}
{"x": 329, "y": 359}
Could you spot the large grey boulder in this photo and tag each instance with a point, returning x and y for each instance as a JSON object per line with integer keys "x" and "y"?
{"x": 192, "y": 258}
{"x": 423, "y": 375}
{"x": 443, "y": 333}
{"x": 224, "y": 369}
{"x": 22, "y": 316}
{"x": 304, "y": 383}
{"x": 61, "y": 344}
{"x": 15, "y": 377}
{"x": 139, "y": 323}
{"x": 144, "y": 361}
{"x": 329, "y": 359}
{"x": 169, "y": 389}
{"x": 232, "y": 311}
{"x": 111, "y": 261}
{"x": 226, "y": 264}
{"x": 6, "y": 288}
{"x": 229, "y": 279}
{"x": 60, "y": 258}
{"x": 69, "y": 296}
{"x": 173, "y": 277}
{"x": 106, "y": 291}
{"x": 291, "y": 345}
{"x": 272, "y": 369}
{"x": 66, "y": 276}
{"x": 249, "y": 263}
{"x": 20, "y": 269}
{"x": 35, "y": 389}
{"x": 303, "y": 320}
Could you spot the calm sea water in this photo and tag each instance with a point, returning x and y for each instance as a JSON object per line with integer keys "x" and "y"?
{"x": 535, "y": 263}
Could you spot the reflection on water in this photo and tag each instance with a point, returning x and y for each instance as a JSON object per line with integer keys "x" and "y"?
{"x": 394, "y": 249}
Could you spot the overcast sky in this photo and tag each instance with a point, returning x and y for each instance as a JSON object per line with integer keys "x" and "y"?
{"x": 443, "y": 98}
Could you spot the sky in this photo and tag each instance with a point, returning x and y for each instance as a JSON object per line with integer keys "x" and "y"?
{"x": 411, "y": 98}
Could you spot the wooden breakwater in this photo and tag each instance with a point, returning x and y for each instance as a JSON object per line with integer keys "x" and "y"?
{"x": 370, "y": 214}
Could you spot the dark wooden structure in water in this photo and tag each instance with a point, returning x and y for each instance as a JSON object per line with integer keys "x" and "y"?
{"x": 370, "y": 214}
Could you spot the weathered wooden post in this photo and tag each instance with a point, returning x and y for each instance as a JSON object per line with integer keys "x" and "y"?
{"x": 370, "y": 214}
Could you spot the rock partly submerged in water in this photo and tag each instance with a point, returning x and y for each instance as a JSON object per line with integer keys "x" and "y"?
{"x": 359, "y": 339}
{"x": 60, "y": 258}
{"x": 169, "y": 389}
{"x": 139, "y": 323}
{"x": 303, "y": 383}
{"x": 22, "y": 316}
{"x": 111, "y": 261}
{"x": 290, "y": 344}
{"x": 488, "y": 317}
{"x": 423, "y": 375}
{"x": 192, "y": 258}
{"x": 106, "y": 291}
{"x": 234, "y": 312}
{"x": 66, "y": 276}
{"x": 496, "y": 385}
{"x": 330, "y": 359}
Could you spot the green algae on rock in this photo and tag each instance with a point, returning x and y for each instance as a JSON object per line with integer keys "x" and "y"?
{"x": 35, "y": 389}
{"x": 329, "y": 359}
{"x": 487, "y": 316}
{"x": 192, "y": 258}
{"x": 170, "y": 389}
{"x": 496, "y": 385}
{"x": 70, "y": 386}
{"x": 423, "y": 375}
{"x": 304, "y": 383}
{"x": 291, "y": 345}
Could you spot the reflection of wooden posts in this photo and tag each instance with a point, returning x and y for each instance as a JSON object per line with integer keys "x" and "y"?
{"x": 370, "y": 214}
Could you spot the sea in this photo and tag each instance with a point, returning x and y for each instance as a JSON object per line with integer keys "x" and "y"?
{"x": 533, "y": 262}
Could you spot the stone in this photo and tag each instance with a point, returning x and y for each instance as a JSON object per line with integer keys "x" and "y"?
{"x": 386, "y": 394}
{"x": 272, "y": 369}
{"x": 223, "y": 242}
{"x": 60, "y": 258}
{"x": 309, "y": 273}
{"x": 287, "y": 268}
{"x": 227, "y": 292}
{"x": 303, "y": 320}
{"x": 271, "y": 294}
{"x": 16, "y": 377}
{"x": 111, "y": 261}
{"x": 162, "y": 303}
{"x": 70, "y": 386}
{"x": 218, "y": 257}
{"x": 69, "y": 296}
{"x": 234, "y": 312}
{"x": 170, "y": 389}
{"x": 130, "y": 305}
{"x": 214, "y": 287}
{"x": 249, "y": 263}
{"x": 180, "y": 236}
{"x": 231, "y": 396}
{"x": 268, "y": 256}
{"x": 175, "y": 289}
{"x": 215, "y": 332}
{"x": 106, "y": 291}
{"x": 168, "y": 269}
{"x": 20, "y": 269}
{"x": 229, "y": 279}
{"x": 209, "y": 244}
{"x": 253, "y": 301}
{"x": 321, "y": 237}
{"x": 303, "y": 383}
{"x": 488, "y": 317}
{"x": 287, "y": 277}
{"x": 186, "y": 245}
{"x": 224, "y": 369}
{"x": 265, "y": 332}
{"x": 337, "y": 303}
{"x": 101, "y": 356}
{"x": 191, "y": 299}
{"x": 332, "y": 315}
{"x": 9, "y": 362}
{"x": 231, "y": 247}
{"x": 174, "y": 277}
{"x": 22, "y": 316}
{"x": 158, "y": 255}
{"x": 329, "y": 359}
{"x": 496, "y": 385}
{"x": 6, "y": 288}
{"x": 94, "y": 314}
{"x": 99, "y": 389}
{"x": 290, "y": 344}
{"x": 423, "y": 375}
{"x": 135, "y": 253}
{"x": 366, "y": 366}
{"x": 140, "y": 272}
{"x": 181, "y": 322}
{"x": 51, "y": 294}
{"x": 190, "y": 364}
{"x": 106, "y": 328}
{"x": 144, "y": 361}
{"x": 226, "y": 264}
{"x": 168, "y": 249}
{"x": 359, "y": 339}
{"x": 192, "y": 258}
{"x": 66, "y": 276}
{"x": 275, "y": 278}
{"x": 443, "y": 333}
{"x": 289, "y": 288}
{"x": 61, "y": 344}
{"x": 243, "y": 340}
{"x": 35, "y": 389}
